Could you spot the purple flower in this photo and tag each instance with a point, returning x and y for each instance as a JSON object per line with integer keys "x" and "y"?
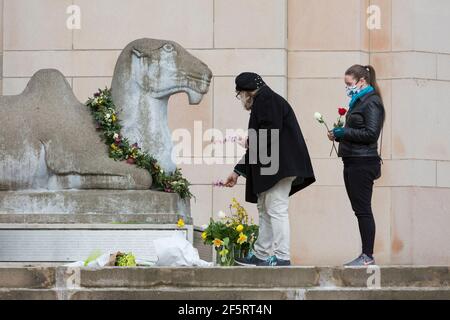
{"x": 218, "y": 183}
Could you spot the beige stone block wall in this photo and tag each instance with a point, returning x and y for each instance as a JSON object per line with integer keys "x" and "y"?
{"x": 301, "y": 48}
{"x": 413, "y": 62}
{"x": 36, "y": 25}
{"x": 112, "y": 24}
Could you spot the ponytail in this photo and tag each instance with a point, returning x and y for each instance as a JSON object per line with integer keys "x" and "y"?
{"x": 372, "y": 80}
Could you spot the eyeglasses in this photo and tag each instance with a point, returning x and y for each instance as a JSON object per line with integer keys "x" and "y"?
{"x": 238, "y": 95}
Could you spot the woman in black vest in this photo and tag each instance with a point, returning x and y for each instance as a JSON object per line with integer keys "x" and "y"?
{"x": 358, "y": 148}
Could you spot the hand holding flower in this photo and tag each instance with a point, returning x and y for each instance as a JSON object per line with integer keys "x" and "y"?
{"x": 331, "y": 136}
{"x": 338, "y": 132}
{"x": 318, "y": 116}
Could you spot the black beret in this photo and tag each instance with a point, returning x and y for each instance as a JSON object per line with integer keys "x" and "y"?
{"x": 249, "y": 81}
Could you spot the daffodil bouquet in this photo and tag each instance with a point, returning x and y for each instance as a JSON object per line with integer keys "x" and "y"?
{"x": 231, "y": 235}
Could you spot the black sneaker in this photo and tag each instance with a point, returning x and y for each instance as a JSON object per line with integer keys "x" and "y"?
{"x": 281, "y": 262}
{"x": 249, "y": 260}
{"x": 273, "y": 261}
{"x": 269, "y": 262}
{"x": 362, "y": 261}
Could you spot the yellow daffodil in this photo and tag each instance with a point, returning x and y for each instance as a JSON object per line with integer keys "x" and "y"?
{"x": 113, "y": 118}
{"x": 114, "y": 146}
{"x": 242, "y": 238}
{"x": 239, "y": 228}
{"x": 204, "y": 235}
{"x": 223, "y": 252}
{"x": 217, "y": 242}
{"x": 180, "y": 223}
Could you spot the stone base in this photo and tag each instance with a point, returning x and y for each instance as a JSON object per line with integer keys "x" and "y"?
{"x": 221, "y": 283}
{"x": 93, "y": 201}
{"x": 65, "y": 226}
{"x": 75, "y": 242}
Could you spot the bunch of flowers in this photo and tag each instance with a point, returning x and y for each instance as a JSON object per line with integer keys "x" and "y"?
{"x": 231, "y": 235}
{"x": 120, "y": 149}
{"x": 125, "y": 260}
{"x": 339, "y": 124}
{"x": 118, "y": 259}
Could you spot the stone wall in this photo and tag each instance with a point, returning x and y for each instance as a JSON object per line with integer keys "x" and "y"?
{"x": 301, "y": 48}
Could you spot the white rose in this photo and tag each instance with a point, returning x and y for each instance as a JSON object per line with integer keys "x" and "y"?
{"x": 221, "y": 215}
{"x": 116, "y": 136}
{"x": 318, "y": 116}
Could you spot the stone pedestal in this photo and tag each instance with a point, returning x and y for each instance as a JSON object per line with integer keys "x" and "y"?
{"x": 69, "y": 225}
{"x": 62, "y": 196}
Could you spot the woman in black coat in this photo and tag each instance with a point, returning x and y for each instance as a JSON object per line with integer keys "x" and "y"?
{"x": 276, "y": 165}
{"x": 358, "y": 148}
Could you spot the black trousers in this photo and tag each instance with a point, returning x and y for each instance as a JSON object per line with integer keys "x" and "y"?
{"x": 359, "y": 175}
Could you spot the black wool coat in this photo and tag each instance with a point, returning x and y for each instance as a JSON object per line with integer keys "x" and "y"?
{"x": 271, "y": 115}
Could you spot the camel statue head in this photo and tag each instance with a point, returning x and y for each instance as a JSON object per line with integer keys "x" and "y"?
{"x": 147, "y": 73}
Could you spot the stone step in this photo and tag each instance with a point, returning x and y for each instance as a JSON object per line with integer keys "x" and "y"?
{"x": 170, "y": 293}
{"x": 265, "y": 277}
{"x": 45, "y": 276}
{"x": 15, "y": 276}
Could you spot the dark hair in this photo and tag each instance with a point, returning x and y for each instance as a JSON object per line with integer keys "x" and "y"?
{"x": 368, "y": 73}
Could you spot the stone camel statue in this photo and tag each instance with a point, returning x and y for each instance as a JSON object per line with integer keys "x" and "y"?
{"x": 48, "y": 138}
{"x": 147, "y": 73}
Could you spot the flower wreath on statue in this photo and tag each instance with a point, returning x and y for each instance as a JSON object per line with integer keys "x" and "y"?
{"x": 120, "y": 149}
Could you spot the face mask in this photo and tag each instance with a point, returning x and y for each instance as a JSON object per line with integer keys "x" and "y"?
{"x": 351, "y": 91}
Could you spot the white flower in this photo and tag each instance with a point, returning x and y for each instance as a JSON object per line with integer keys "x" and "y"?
{"x": 318, "y": 116}
{"x": 107, "y": 116}
{"x": 221, "y": 215}
{"x": 116, "y": 136}
{"x": 204, "y": 226}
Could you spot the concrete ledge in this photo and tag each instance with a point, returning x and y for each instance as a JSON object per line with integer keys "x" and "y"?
{"x": 91, "y": 218}
{"x": 28, "y": 277}
{"x": 262, "y": 277}
{"x": 229, "y": 294}
{"x": 200, "y": 277}
{"x": 186, "y": 294}
{"x": 410, "y": 293}
{"x": 237, "y": 283}
{"x": 404, "y": 276}
{"x": 93, "y": 201}
{"x": 28, "y": 294}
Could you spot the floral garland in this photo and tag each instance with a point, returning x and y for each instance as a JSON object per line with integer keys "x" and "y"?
{"x": 120, "y": 149}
